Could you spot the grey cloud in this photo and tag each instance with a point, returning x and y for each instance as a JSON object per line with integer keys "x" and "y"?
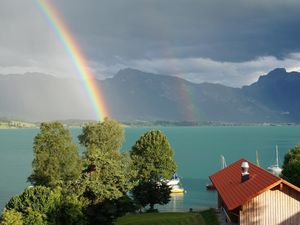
{"x": 230, "y": 30}
{"x": 198, "y": 70}
{"x": 27, "y": 42}
{"x": 230, "y": 42}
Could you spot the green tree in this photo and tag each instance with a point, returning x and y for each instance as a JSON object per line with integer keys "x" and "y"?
{"x": 105, "y": 213}
{"x": 152, "y": 156}
{"x": 56, "y": 159}
{"x": 11, "y": 217}
{"x": 70, "y": 210}
{"x": 40, "y": 205}
{"x": 291, "y": 166}
{"x": 34, "y": 204}
{"x": 106, "y": 175}
{"x": 38, "y": 198}
{"x": 106, "y": 136}
{"x": 151, "y": 192}
{"x": 105, "y": 180}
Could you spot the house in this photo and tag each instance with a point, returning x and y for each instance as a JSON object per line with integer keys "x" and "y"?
{"x": 250, "y": 195}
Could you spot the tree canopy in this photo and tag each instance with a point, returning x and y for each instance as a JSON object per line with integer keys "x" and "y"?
{"x": 56, "y": 158}
{"x": 73, "y": 190}
{"x": 105, "y": 176}
{"x": 106, "y": 136}
{"x": 151, "y": 192}
{"x": 41, "y": 205}
{"x": 152, "y": 156}
{"x": 153, "y": 160}
{"x": 291, "y": 166}
{"x": 105, "y": 213}
{"x": 11, "y": 217}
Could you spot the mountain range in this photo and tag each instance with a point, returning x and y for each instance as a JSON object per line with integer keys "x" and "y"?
{"x": 133, "y": 95}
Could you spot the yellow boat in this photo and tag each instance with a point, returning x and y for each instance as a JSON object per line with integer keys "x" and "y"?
{"x": 177, "y": 189}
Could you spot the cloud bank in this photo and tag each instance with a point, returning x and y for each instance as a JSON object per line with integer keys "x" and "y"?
{"x": 230, "y": 42}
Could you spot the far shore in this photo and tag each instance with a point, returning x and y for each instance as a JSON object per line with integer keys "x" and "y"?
{"x": 145, "y": 124}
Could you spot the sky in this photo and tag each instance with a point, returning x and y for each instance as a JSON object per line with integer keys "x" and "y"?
{"x": 230, "y": 42}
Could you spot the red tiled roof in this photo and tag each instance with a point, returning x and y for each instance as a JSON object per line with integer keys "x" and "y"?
{"x": 233, "y": 192}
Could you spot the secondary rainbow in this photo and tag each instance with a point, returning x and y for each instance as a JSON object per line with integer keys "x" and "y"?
{"x": 85, "y": 74}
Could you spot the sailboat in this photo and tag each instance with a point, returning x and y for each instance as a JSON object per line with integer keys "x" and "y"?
{"x": 275, "y": 169}
{"x": 223, "y": 165}
{"x": 223, "y": 162}
{"x": 175, "y": 185}
{"x": 175, "y": 180}
{"x": 257, "y": 159}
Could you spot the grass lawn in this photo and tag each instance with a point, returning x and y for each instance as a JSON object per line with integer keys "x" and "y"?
{"x": 209, "y": 217}
{"x": 206, "y": 217}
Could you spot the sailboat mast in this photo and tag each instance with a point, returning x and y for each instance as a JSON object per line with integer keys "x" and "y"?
{"x": 257, "y": 159}
{"x": 223, "y": 162}
{"x": 277, "y": 163}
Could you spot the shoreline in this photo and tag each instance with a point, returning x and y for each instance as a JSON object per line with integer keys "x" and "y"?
{"x": 163, "y": 126}
{"x": 14, "y": 124}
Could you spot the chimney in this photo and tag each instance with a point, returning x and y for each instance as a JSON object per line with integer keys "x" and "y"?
{"x": 245, "y": 171}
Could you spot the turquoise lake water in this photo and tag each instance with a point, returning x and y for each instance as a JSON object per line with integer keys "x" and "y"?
{"x": 197, "y": 153}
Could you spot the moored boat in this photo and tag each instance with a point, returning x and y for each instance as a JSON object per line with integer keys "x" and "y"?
{"x": 175, "y": 180}
{"x": 175, "y": 185}
{"x": 211, "y": 186}
{"x": 177, "y": 189}
{"x": 275, "y": 169}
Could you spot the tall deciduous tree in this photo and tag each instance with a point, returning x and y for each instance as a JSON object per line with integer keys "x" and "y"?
{"x": 56, "y": 158}
{"x": 107, "y": 175}
{"x": 153, "y": 157}
{"x": 106, "y": 136}
{"x": 291, "y": 166}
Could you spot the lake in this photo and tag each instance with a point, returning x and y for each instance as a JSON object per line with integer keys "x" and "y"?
{"x": 197, "y": 153}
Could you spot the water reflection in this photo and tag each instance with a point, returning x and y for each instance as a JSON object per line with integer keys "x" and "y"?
{"x": 196, "y": 197}
{"x": 176, "y": 201}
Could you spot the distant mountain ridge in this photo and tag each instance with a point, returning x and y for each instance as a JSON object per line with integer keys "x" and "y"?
{"x": 136, "y": 95}
{"x": 133, "y": 94}
{"x": 279, "y": 91}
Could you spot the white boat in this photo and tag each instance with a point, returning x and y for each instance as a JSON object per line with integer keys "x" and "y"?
{"x": 275, "y": 169}
{"x": 175, "y": 180}
{"x": 174, "y": 184}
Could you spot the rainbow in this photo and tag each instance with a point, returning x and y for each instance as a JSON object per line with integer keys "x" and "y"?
{"x": 188, "y": 97}
{"x": 78, "y": 59}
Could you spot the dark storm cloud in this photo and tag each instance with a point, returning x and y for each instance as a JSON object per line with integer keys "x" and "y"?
{"x": 224, "y": 41}
{"x": 231, "y": 30}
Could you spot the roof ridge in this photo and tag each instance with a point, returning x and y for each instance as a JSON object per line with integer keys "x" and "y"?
{"x": 234, "y": 192}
